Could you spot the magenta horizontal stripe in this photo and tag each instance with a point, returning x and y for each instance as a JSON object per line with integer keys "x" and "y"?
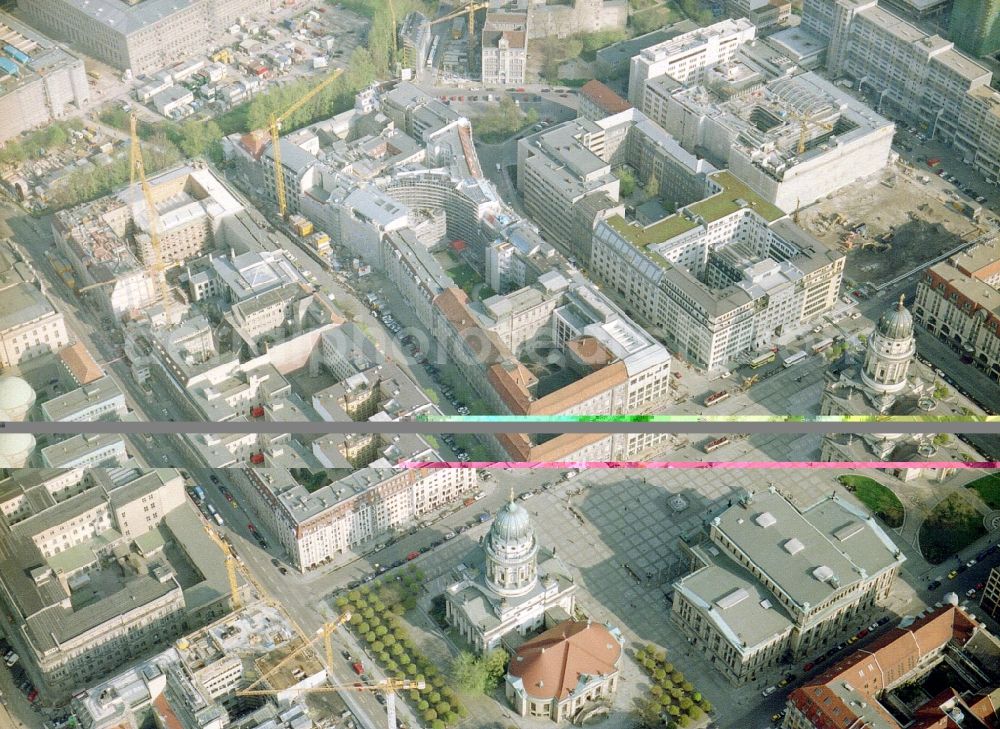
{"x": 747, "y": 465}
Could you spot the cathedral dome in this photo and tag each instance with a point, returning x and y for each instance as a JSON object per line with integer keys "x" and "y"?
{"x": 512, "y": 524}
{"x": 896, "y": 324}
{"x": 16, "y": 398}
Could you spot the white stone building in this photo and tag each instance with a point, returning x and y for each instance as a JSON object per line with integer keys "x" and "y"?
{"x": 512, "y": 592}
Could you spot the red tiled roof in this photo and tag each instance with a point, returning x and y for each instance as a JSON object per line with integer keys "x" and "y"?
{"x": 605, "y": 99}
{"x": 551, "y": 664}
{"x": 882, "y": 663}
{"x": 80, "y": 363}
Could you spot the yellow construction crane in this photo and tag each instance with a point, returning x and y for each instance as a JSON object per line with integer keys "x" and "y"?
{"x": 96, "y": 285}
{"x": 387, "y": 688}
{"x": 394, "y": 47}
{"x": 137, "y": 170}
{"x": 805, "y": 122}
{"x": 234, "y": 587}
{"x": 324, "y": 632}
{"x": 275, "y": 128}
{"x": 470, "y": 9}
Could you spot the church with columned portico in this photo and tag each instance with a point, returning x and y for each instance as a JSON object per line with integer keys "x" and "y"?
{"x": 513, "y": 586}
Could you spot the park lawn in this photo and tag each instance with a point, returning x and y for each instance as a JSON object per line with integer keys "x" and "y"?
{"x": 988, "y": 488}
{"x": 466, "y": 278}
{"x": 951, "y": 527}
{"x": 878, "y": 498}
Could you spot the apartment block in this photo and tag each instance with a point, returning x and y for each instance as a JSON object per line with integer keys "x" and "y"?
{"x": 139, "y": 37}
{"x": 686, "y": 57}
{"x": 721, "y": 277}
{"x": 958, "y": 301}
{"x": 769, "y": 580}
{"x": 43, "y": 83}
{"x": 316, "y": 527}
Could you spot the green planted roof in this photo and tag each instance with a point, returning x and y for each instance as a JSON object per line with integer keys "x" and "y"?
{"x": 734, "y": 196}
{"x": 658, "y": 232}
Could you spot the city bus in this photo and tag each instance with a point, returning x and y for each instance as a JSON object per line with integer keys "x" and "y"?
{"x": 822, "y": 346}
{"x": 716, "y": 444}
{"x": 716, "y": 397}
{"x": 762, "y": 359}
{"x": 794, "y": 359}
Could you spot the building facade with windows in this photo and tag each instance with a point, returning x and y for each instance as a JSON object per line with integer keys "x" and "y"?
{"x": 721, "y": 277}
{"x": 505, "y": 48}
{"x": 687, "y": 57}
{"x": 514, "y": 590}
{"x": 770, "y": 581}
{"x": 140, "y": 37}
{"x": 958, "y": 301}
{"x": 29, "y": 325}
{"x": 319, "y": 526}
{"x": 77, "y": 531}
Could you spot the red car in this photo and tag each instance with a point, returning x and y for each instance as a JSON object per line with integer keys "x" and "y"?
{"x": 863, "y": 633}
{"x": 33, "y": 696}
{"x": 809, "y": 666}
{"x": 412, "y": 555}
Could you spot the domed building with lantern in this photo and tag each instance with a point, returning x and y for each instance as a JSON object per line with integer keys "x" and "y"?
{"x": 887, "y": 379}
{"x": 515, "y": 589}
{"x": 17, "y": 398}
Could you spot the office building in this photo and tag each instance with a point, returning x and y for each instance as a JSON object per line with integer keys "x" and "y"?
{"x": 567, "y": 174}
{"x": 597, "y": 101}
{"x": 975, "y": 26}
{"x": 793, "y": 140}
{"x": 99, "y": 566}
{"x": 685, "y": 57}
{"x": 918, "y": 77}
{"x": 721, "y": 278}
{"x": 139, "y": 37}
{"x": 989, "y": 599}
{"x": 608, "y": 366}
{"x": 108, "y": 245}
{"x": 101, "y": 399}
{"x": 42, "y": 81}
{"x": 29, "y": 325}
{"x": 769, "y": 579}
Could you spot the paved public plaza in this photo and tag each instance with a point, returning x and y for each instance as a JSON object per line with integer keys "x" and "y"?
{"x": 618, "y": 533}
